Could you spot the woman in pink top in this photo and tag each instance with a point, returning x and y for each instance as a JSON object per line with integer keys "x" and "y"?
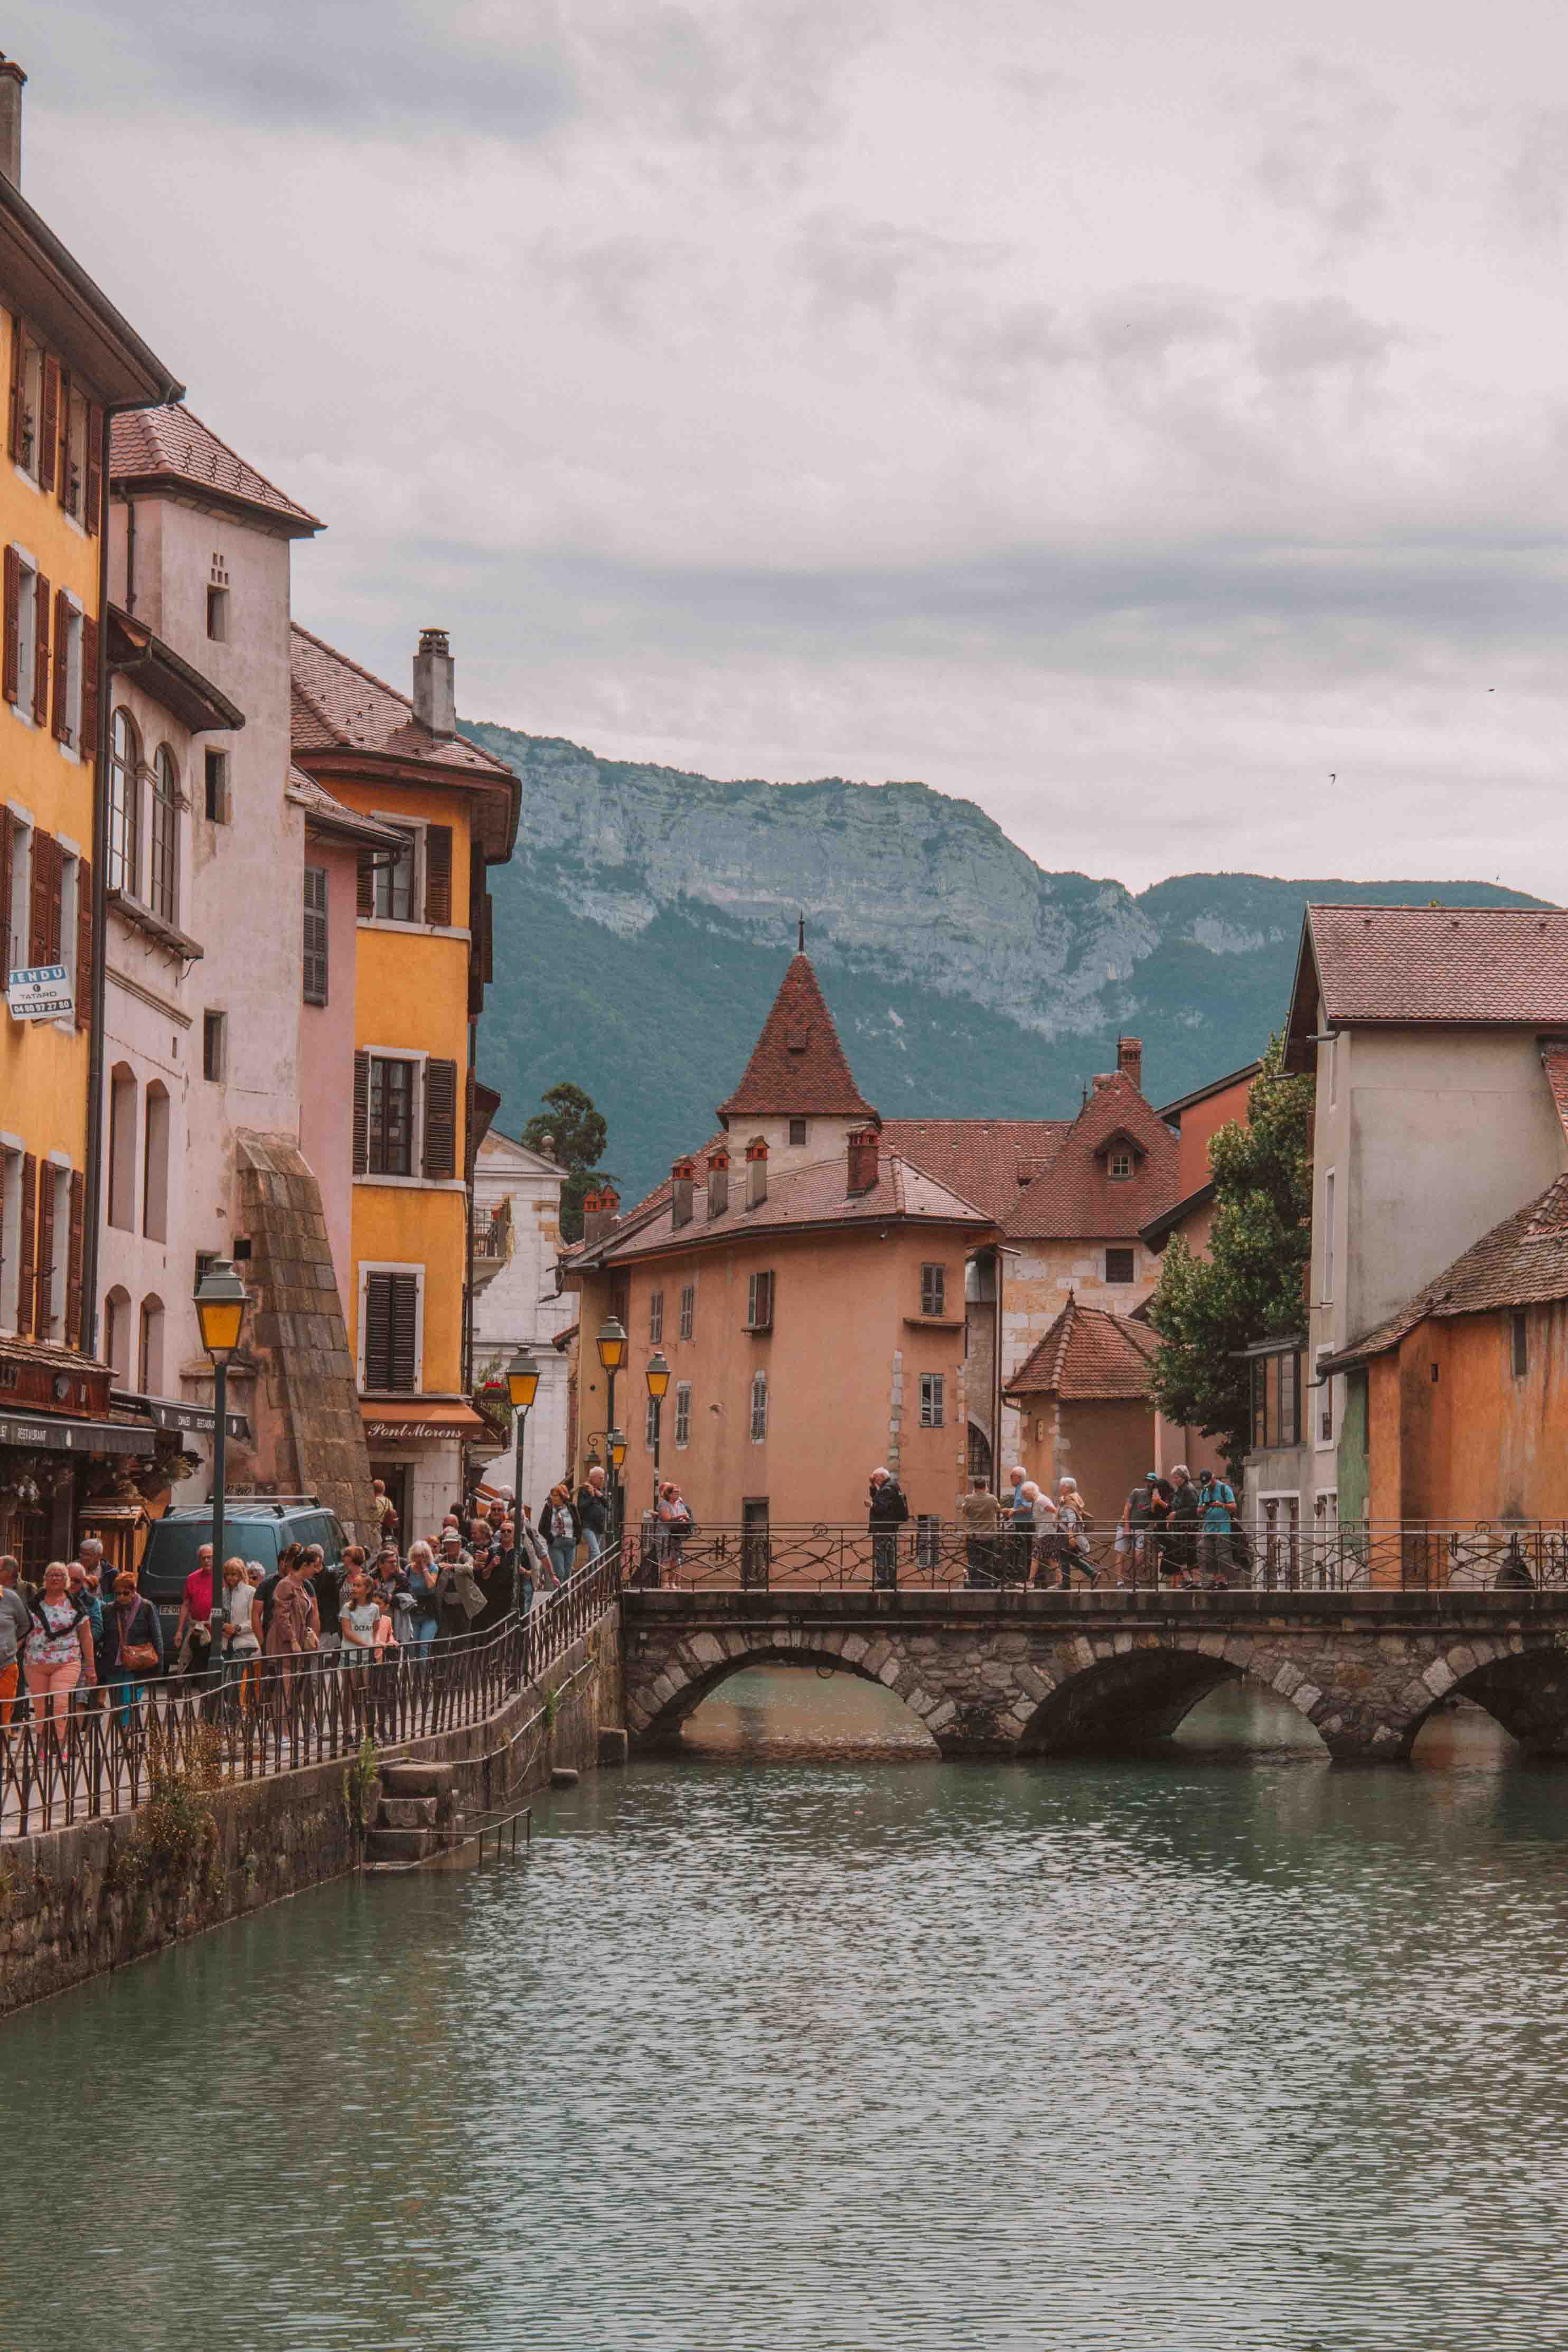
{"x": 57, "y": 1653}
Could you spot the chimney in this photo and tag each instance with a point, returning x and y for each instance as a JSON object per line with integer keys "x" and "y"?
{"x": 682, "y": 1176}
{"x": 1130, "y": 1059}
{"x": 600, "y": 1212}
{"x": 11, "y": 77}
{"x": 864, "y": 1160}
{"x": 717, "y": 1181}
{"x": 434, "y": 683}
{"x": 547, "y": 1147}
{"x": 755, "y": 1173}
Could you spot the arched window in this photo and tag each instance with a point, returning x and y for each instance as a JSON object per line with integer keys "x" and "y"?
{"x": 124, "y": 804}
{"x": 150, "y": 1350}
{"x": 117, "y": 1334}
{"x": 155, "y": 1165}
{"x": 122, "y": 1146}
{"x": 163, "y": 864}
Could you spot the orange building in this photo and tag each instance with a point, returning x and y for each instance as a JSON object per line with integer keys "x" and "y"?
{"x": 1084, "y": 1396}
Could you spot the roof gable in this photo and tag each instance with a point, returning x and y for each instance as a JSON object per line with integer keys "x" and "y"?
{"x": 171, "y": 445}
{"x": 798, "y": 1066}
{"x": 1076, "y": 1196}
{"x": 1088, "y": 1356}
{"x": 1467, "y": 966}
{"x": 1523, "y": 1262}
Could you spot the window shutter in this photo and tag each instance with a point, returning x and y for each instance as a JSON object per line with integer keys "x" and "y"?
{"x": 63, "y": 480}
{"x": 49, "y": 424}
{"x": 19, "y": 389}
{"x": 73, "y": 1333}
{"x": 439, "y": 1119}
{"x": 12, "y": 625}
{"x": 361, "y": 1114}
{"x": 62, "y": 723}
{"x": 7, "y": 835}
{"x": 378, "y": 1328}
{"x": 25, "y": 1252}
{"x": 404, "y": 1309}
{"x": 438, "y": 874}
{"x": 40, "y": 681}
{"x": 44, "y": 1278}
{"x": 88, "y": 746}
{"x": 366, "y": 901}
{"x": 84, "y": 943}
{"x": 94, "y": 499}
{"x": 43, "y": 850}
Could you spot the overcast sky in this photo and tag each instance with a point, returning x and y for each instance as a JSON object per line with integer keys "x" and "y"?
{"x": 1124, "y": 416}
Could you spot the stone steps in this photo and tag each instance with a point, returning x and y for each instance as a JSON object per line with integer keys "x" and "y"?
{"x": 416, "y": 1816}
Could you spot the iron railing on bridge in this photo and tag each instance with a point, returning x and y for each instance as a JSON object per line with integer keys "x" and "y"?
{"x": 930, "y": 1553}
{"x": 277, "y": 1715}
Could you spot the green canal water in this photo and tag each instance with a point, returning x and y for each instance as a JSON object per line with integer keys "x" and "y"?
{"x": 806, "y": 2042}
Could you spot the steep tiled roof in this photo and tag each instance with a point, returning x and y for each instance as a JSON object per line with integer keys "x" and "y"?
{"x": 1088, "y": 1357}
{"x": 1441, "y": 963}
{"x": 339, "y": 707}
{"x": 797, "y": 1065}
{"x": 1076, "y": 1197}
{"x": 335, "y": 816}
{"x": 797, "y": 1198}
{"x": 149, "y": 445}
{"x": 1523, "y": 1262}
{"x": 983, "y": 1158}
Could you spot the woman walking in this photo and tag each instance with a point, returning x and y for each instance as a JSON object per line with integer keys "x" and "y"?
{"x": 458, "y": 1599}
{"x": 421, "y": 1577}
{"x": 133, "y": 1645}
{"x": 58, "y": 1651}
{"x": 561, "y": 1527}
{"x": 241, "y": 1641}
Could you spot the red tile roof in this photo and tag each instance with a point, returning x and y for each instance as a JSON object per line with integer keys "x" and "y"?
{"x": 983, "y": 1158}
{"x": 1554, "y": 1062}
{"x": 1076, "y": 1196}
{"x": 1523, "y": 1262}
{"x": 797, "y": 1198}
{"x": 1088, "y": 1357}
{"x": 797, "y": 1065}
{"x": 325, "y": 809}
{"x": 149, "y": 445}
{"x": 1474, "y": 964}
{"x": 339, "y": 707}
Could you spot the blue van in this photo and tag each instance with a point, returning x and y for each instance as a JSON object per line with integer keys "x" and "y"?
{"x": 255, "y": 1528}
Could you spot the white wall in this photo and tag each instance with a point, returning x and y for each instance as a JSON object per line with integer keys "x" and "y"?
{"x": 519, "y": 1306}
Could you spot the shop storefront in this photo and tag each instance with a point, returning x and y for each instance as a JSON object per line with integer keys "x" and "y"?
{"x": 64, "y": 1448}
{"x": 420, "y": 1452}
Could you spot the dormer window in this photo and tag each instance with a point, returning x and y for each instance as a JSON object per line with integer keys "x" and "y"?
{"x": 1120, "y": 1163}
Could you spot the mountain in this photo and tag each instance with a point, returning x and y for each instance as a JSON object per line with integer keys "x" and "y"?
{"x": 645, "y": 922}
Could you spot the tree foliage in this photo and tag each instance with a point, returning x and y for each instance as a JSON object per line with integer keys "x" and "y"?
{"x": 1250, "y": 1286}
{"x": 578, "y": 1134}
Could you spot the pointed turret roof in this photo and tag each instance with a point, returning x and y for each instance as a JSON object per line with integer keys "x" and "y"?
{"x": 798, "y": 1066}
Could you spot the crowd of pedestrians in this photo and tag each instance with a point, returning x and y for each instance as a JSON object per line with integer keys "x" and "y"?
{"x": 1172, "y": 1532}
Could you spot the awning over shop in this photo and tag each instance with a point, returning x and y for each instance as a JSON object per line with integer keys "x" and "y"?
{"x": 176, "y": 1413}
{"x": 421, "y": 1418}
{"x": 49, "y": 1435}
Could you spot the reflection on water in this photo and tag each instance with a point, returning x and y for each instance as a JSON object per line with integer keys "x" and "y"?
{"x": 1098, "y": 2055}
{"x": 773, "y": 1715}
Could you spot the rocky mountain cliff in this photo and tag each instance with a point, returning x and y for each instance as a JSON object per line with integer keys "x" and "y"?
{"x": 647, "y": 917}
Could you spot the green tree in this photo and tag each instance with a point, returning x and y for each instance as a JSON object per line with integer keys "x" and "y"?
{"x": 1251, "y": 1285}
{"x": 578, "y": 1134}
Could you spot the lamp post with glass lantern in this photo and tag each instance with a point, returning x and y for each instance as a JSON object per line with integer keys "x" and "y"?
{"x": 522, "y": 1387}
{"x": 612, "y": 1346}
{"x": 220, "y": 1305}
{"x": 658, "y": 1377}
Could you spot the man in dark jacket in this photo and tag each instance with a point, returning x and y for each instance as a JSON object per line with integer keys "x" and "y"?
{"x": 1181, "y": 1542}
{"x": 886, "y": 1512}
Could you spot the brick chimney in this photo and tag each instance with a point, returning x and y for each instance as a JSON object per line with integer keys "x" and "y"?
{"x": 755, "y": 1173}
{"x": 601, "y": 1211}
{"x": 682, "y": 1176}
{"x": 11, "y": 79}
{"x": 1130, "y": 1059}
{"x": 717, "y": 1181}
{"x": 864, "y": 1160}
{"x": 435, "y": 684}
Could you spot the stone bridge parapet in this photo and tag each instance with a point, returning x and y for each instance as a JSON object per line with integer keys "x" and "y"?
{"x": 1020, "y": 1673}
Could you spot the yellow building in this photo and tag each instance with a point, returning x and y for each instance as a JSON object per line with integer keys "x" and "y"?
{"x": 417, "y": 1112}
{"x": 71, "y": 361}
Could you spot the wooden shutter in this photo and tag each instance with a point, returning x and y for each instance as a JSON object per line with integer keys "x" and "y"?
{"x": 73, "y": 1334}
{"x": 366, "y": 901}
{"x": 84, "y": 943}
{"x": 44, "y": 897}
{"x": 13, "y": 667}
{"x": 40, "y": 683}
{"x": 63, "y": 481}
{"x": 405, "y": 1308}
{"x": 438, "y": 874}
{"x": 378, "y": 1328}
{"x": 26, "y": 1253}
{"x": 62, "y": 724}
{"x": 441, "y": 1119}
{"x": 49, "y": 424}
{"x": 88, "y": 745}
{"x": 361, "y": 1114}
{"x": 93, "y": 501}
{"x": 19, "y": 389}
{"x": 44, "y": 1279}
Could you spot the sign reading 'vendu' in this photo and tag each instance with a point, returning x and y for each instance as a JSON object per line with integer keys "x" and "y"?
{"x": 40, "y": 992}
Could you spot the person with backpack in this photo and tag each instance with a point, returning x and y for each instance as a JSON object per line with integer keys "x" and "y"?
{"x": 1133, "y": 1533}
{"x": 886, "y": 1512}
{"x": 57, "y": 1653}
{"x": 1217, "y": 1511}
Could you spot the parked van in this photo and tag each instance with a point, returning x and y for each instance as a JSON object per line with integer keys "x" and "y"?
{"x": 255, "y": 1528}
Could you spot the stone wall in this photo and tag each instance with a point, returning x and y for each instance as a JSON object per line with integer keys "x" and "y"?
{"x": 73, "y": 1903}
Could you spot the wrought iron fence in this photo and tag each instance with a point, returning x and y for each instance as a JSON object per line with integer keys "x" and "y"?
{"x": 930, "y": 1553}
{"x": 268, "y": 1715}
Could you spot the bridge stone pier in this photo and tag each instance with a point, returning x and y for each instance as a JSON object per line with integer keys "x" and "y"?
{"x": 1030, "y": 1673}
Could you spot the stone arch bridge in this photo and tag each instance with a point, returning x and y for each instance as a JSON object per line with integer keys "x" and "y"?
{"x": 1028, "y": 1674}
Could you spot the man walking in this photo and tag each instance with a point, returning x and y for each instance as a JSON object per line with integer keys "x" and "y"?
{"x": 886, "y": 1512}
{"x": 1181, "y": 1543}
{"x": 979, "y": 1513}
{"x": 1217, "y": 1504}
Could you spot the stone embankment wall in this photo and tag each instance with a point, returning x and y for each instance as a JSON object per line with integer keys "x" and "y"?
{"x": 75, "y": 1903}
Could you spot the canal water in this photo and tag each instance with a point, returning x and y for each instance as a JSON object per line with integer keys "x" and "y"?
{"x": 806, "y": 2042}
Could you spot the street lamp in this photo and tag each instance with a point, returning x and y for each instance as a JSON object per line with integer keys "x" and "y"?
{"x": 612, "y": 1346}
{"x": 220, "y": 1305}
{"x": 658, "y": 1376}
{"x": 522, "y": 1387}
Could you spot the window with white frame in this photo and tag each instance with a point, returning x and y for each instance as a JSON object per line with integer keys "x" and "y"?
{"x": 759, "y": 1302}
{"x": 396, "y": 880}
{"x": 53, "y": 1276}
{"x": 1121, "y": 1164}
{"x": 389, "y": 1133}
{"x": 125, "y": 802}
{"x": 758, "y": 1408}
{"x": 68, "y": 722}
{"x": 934, "y": 1290}
{"x": 28, "y": 636}
{"x": 688, "y": 1308}
{"x": 932, "y": 1400}
{"x": 70, "y": 884}
{"x": 19, "y": 914}
{"x": 682, "y": 1412}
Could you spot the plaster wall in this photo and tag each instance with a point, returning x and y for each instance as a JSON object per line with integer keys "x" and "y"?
{"x": 1199, "y": 1125}
{"x": 1106, "y": 1447}
{"x": 519, "y": 1306}
{"x": 1036, "y": 1283}
{"x": 1480, "y": 1442}
{"x": 327, "y": 1057}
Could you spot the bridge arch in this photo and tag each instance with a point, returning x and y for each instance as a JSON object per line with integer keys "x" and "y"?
{"x": 1521, "y": 1684}
{"x": 666, "y": 1688}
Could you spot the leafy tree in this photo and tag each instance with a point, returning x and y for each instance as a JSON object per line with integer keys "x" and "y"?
{"x": 579, "y": 1133}
{"x": 1251, "y": 1285}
